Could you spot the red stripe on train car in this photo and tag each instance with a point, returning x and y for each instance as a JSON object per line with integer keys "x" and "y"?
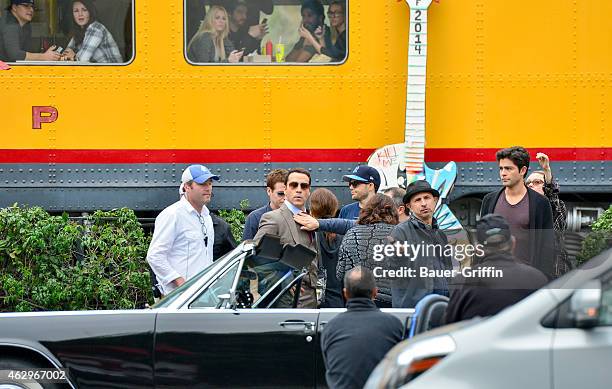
{"x": 275, "y": 155}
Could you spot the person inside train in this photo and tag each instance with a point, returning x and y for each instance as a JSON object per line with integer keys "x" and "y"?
{"x": 313, "y": 18}
{"x": 91, "y": 41}
{"x": 333, "y": 44}
{"x": 211, "y": 42}
{"x": 248, "y": 18}
{"x": 196, "y": 12}
{"x": 241, "y": 35}
{"x": 16, "y": 34}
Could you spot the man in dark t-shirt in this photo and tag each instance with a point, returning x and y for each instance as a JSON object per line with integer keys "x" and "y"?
{"x": 528, "y": 213}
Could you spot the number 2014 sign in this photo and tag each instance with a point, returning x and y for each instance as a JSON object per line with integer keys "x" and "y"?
{"x": 418, "y": 27}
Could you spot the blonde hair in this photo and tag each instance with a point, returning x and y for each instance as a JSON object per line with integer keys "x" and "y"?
{"x": 207, "y": 27}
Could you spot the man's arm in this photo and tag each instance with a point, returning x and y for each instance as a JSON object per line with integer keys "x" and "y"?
{"x": 338, "y": 226}
{"x": 551, "y": 191}
{"x": 10, "y": 39}
{"x": 161, "y": 244}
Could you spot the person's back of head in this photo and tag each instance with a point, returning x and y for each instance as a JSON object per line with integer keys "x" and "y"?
{"x": 493, "y": 232}
{"x": 379, "y": 209}
{"x": 359, "y": 282}
{"x": 397, "y": 195}
{"x": 323, "y": 204}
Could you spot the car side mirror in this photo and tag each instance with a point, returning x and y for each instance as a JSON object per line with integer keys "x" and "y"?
{"x": 223, "y": 299}
{"x": 585, "y": 305}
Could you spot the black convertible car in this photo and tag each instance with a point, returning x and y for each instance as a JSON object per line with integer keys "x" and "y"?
{"x": 233, "y": 325}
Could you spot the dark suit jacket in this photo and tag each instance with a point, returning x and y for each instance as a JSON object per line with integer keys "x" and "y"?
{"x": 224, "y": 240}
{"x": 280, "y": 223}
{"x": 541, "y": 233}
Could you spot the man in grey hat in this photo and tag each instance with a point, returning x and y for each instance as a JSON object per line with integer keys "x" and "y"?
{"x": 421, "y": 232}
{"x": 187, "y": 234}
{"x": 16, "y": 34}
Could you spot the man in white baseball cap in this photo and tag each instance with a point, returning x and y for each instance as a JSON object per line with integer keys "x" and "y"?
{"x": 184, "y": 235}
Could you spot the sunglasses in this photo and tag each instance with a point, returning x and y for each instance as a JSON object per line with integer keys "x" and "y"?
{"x": 534, "y": 182}
{"x": 280, "y": 194}
{"x": 355, "y": 183}
{"x": 303, "y": 185}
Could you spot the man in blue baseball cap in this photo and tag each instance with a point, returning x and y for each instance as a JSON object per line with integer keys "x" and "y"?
{"x": 187, "y": 236}
{"x": 16, "y": 34}
{"x": 363, "y": 183}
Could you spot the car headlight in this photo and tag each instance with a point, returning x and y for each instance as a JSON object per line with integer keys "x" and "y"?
{"x": 411, "y": 361}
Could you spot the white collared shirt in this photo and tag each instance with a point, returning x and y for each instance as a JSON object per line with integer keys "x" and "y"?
{"x": 177, "y": 248}
{"x": 295, "y": 210}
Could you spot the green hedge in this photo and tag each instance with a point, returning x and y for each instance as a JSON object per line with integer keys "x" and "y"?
{"x": 599, "y": 239}
{"x": 54, "y": 263}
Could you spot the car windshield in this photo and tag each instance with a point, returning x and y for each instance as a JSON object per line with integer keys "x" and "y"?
{"x": 260, "y": 284}
{"x": 214, "y": 267}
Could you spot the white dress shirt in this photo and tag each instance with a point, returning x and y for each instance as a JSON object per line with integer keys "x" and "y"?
{"x": 294, "y": 210}
{"x": 178, "y": 246}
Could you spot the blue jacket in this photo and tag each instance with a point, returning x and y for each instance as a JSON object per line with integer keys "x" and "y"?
{"x": 252, "y": 222}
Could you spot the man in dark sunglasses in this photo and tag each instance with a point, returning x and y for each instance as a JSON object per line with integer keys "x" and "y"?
{"x": 275, "y": 187}
{"x": 280, "y": 223}
{"x": 363, "y": 183}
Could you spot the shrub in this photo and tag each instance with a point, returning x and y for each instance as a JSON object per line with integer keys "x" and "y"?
{"x": 236, "y": 219}
{"x": 54, "y": 263}
{"x": 599, "y": 239}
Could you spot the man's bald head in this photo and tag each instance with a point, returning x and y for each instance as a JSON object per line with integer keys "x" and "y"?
{"x": 359, "y": 282}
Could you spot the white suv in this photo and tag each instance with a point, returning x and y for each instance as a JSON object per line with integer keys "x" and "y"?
{"x": 559, "y": 337}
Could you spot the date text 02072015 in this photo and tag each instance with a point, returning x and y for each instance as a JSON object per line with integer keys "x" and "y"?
{"x": 34, "y": 376}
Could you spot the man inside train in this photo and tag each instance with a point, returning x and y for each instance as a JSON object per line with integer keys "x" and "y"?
{"x": 313, "y": 17}
{"x": 16, "y": 34}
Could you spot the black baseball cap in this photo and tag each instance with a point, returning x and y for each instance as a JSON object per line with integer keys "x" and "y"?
{"x": 366, "y": 174}
{"x": 18, "y": 2}
{"x": 493, "y": 230}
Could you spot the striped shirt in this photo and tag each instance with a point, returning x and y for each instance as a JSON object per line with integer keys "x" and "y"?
{"x": 98, "y": 46}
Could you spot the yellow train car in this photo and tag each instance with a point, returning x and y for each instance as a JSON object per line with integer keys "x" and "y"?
{"x": 80, "y": 135}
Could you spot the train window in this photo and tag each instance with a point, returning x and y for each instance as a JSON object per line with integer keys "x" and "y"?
{"x": 67, "y": 32}
{"x": 266, "y": 31}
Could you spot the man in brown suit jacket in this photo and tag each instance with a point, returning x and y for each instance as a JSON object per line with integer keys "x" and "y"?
{"x": 280, "y": 222}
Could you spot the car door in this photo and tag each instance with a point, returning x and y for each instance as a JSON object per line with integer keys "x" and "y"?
{"x": 581, "y": 358}
{"x": 202, "y": 346}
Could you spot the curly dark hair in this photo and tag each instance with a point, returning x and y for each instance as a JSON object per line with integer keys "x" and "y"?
{"x": 379, "y": 209}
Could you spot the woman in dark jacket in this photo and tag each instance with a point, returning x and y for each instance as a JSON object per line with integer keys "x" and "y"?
{"x": 375, "y": 223}
{"x": 324, "y": 205}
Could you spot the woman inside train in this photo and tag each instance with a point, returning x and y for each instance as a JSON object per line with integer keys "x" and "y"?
{"x": 333, "y": 44}
{"x": 211, "y": 42}
{"x": 91, "y": 41}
